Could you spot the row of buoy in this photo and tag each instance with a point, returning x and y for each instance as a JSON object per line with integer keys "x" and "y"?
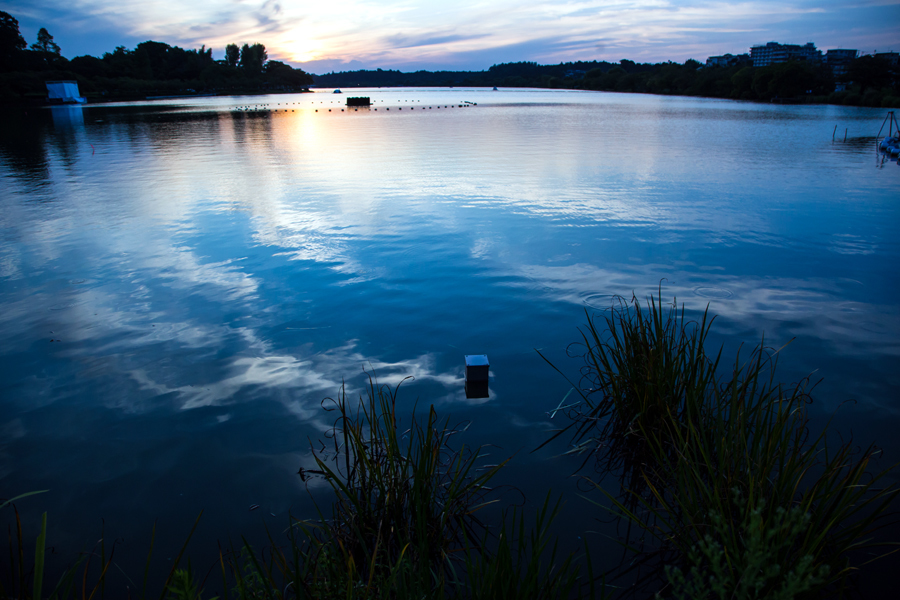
{"x": 256, "y": 108}
{"x": 260, "y": 106}
{"x": 264, "y": 107}
{"x": 401, "y": 108}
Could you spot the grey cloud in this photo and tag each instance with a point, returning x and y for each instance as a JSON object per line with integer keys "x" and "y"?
{"x": 427, "y": 39}
{"x": 93, "y": 27}
{"x": 334, "y": 64}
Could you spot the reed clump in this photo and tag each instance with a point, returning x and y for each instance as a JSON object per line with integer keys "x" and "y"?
{"x": 521, "y": 562}
{"x": 718, "y": 463}
{"x": 404, "y": 502}
{"x": 402, "y": 523}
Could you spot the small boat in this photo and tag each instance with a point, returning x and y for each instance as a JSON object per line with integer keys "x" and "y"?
{"x": 891, "y": 144}
{"x": 337, "y": 91}
{"x": 495, "y": 88}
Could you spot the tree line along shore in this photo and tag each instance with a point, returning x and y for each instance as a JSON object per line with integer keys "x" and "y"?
{"x": 157, "y": 69}
{"x": 869, "y": 81}
{"x": 150, "y": 69}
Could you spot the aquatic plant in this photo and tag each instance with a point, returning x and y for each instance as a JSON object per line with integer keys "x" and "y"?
{"x": 700, "y": 451}
{"x": 520, "y": 562}
{"x": 25, "y": 579}
{"x": 403, "y": 523}
{"x": 23, "y": 572}
{"x": 719, "y": 570}
{"x": 404, "y": 500}
{"x": 644, "y": 368}
{"x": 183, "y": 585}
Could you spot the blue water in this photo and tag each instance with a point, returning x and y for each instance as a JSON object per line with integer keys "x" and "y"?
{"x": 182, "y": 283}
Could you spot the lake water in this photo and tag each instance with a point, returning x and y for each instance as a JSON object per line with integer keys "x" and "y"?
{"x": 183, "y": 282}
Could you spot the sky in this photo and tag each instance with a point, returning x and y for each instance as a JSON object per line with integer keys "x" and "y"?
{"x": 322, "y": 36}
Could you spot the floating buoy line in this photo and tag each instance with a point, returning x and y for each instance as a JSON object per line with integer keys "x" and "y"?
{"x": 277, "y": 107}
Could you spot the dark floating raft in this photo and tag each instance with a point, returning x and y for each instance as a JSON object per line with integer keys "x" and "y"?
{"x": 477, "y": 374}
{"x": 359, "y": 101}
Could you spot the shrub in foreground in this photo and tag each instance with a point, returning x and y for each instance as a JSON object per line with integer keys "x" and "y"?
{"x": 717, "y": 464}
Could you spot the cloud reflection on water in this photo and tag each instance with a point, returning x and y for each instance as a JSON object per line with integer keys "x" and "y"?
{"x": 178, "y": 301}
{"x": 813, "y": 308}
{"x": 216, "y": 249}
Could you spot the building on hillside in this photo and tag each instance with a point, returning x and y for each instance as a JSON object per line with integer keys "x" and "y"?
{"x": 727, "y": 60}
{"x": 892, "y": 58}
{"x": 774, "y": 53}
{"x": 839, "y": 60}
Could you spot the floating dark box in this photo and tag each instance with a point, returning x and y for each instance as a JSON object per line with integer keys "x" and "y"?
{"x": 359, "y": 101}
{"x": 477, "y": 389}
{"x": 477, "y": 367}
{"x": 477, "y": 371}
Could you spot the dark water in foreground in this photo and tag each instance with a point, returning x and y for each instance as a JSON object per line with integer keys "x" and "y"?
{"x": 182, "y": 284}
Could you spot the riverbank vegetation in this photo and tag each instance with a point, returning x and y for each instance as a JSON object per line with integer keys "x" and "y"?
{"x": 869, "y": 81}
{"x": 728, "y": 491}
{"x": 158, "y": 69}
{"x": 403, "y": 523}
{"x": 719, "y": 464}
{"x": 150, "y": 69}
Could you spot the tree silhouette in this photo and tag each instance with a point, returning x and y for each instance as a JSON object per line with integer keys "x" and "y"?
{"x": 253, "y": 58}
{"x": 45, "y": 43}
{"x": 11, "y": 41}
{"x": 870, "y": 72}
{"x": 281, "y": 74}
{"x": 232, "y": 55}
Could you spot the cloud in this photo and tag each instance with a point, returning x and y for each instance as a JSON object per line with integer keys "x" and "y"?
{"x": 467, "y": 33}
{"x": 783, "y": 306}
{"x": 401, "y": 41}
{"x": 298, "y": 382}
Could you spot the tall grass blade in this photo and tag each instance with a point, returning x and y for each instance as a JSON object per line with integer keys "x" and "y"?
{"x": 709, "y": 457}
{"x": 147, "y": 563}
{"x": 20, "y": 496}
{"x": 39, "y": 550}
{"x": 21, "y": 554}
{"x": 165, "y": 587}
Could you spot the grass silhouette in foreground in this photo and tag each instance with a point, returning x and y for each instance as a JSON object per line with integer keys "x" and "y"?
{"x": 727, "y": 492}
{"x": 717, "y": 464}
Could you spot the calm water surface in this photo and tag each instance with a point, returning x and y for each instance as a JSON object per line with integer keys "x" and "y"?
{"x": 182, "y": 283}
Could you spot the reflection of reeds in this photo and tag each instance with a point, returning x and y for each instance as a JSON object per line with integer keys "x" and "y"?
{"x": 645, "y": 367}
{"x": 402, "y": 524}
{"x": 717, "y": 465}
{"x": 725, "y": 463}
{"x": 403, "y": 521}
{"x": 87, "y": 584}
{"x": 521, "y": 563}
{"x": 405, "y": 503}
